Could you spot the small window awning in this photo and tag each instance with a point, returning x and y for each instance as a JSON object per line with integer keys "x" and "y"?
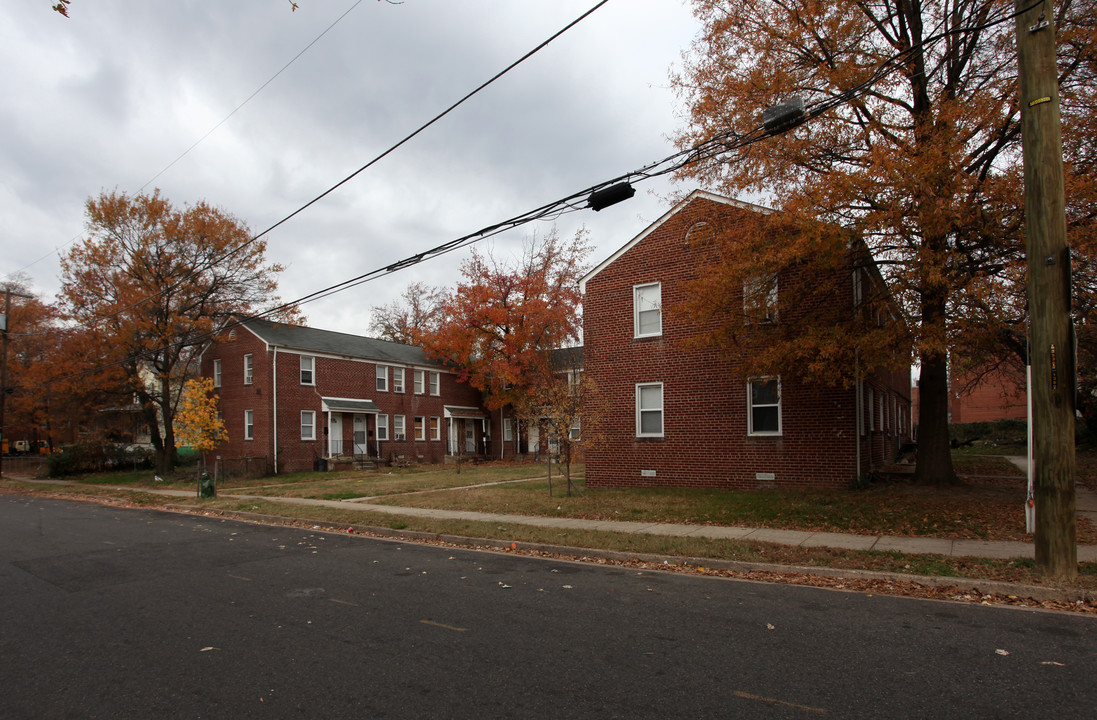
{"x": 464, "y": 412}
{"x": 349, "y": 405}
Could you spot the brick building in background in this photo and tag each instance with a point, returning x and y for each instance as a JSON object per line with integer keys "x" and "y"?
{"x": 294, "y": 396}
{"x": 677, "y": 415}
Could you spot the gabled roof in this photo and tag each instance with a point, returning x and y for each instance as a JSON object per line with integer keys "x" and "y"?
{"x": 696, "y": 194}
{"x": 327, "y": 342}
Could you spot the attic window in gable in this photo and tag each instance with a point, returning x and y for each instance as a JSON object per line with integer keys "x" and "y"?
{"x": 700, "y": 234}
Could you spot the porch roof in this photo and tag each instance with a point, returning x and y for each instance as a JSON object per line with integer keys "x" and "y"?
{"x": 453, "y": 411}
{"x": 349, "y": 405}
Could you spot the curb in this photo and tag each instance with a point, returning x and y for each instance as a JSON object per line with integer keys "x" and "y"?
{"x": 1038, "y": 593}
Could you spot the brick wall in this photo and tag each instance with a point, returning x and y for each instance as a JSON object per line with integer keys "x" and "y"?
{"x": 705, "y": 439}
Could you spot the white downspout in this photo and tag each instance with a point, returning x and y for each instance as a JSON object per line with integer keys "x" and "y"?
{"x": 274, "y": 400}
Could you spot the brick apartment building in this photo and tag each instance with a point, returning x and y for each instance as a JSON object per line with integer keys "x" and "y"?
{"x": 293, "y": 396}
{"x": 678, "y": 415}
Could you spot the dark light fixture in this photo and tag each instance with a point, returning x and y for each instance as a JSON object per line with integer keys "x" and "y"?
{"x": 611, "y": 195}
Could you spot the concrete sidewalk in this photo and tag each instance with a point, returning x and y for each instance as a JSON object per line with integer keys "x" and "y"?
{"x": 1086, "y": 501}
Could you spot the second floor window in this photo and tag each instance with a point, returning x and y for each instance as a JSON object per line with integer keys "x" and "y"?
{"x": 398, "y": 380}
{"x": 434, "y": 383}
{"x": 647, "y": 309}
{"x": 308, "y": 370}
{"x": 217, "y": 373}
{"x": 420, "y": 384}
{"x": 382, "y": 378}
{"x": 248, "y": 370}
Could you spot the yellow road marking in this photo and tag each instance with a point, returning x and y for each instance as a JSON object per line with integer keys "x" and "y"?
{"x": 445, "y": 627}
{"x": 774, "y": 701}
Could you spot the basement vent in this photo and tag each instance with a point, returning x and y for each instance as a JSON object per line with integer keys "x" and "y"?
{"x": 647, "y": 473}
{"x": 765, "y": 476}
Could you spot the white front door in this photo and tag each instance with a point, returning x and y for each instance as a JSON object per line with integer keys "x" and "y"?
{"x": 335, "y": 435}
{"x": 360, "y": 435}
{"x": 534, "y": 439}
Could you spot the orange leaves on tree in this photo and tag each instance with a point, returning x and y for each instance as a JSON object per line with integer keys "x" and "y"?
{"x": 198, "y": 424}
{"x": 499, "y": 325}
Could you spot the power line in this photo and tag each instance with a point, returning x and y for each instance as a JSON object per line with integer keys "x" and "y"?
{"x": 711, "y": 148}
{"x": 363, "y": 168}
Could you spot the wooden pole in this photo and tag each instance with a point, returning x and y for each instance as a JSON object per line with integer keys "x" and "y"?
{"x": 1051, "y": 339}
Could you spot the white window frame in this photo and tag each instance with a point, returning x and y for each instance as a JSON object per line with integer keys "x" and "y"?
{"x": 310, "y": 369}
{"x": 641, "y": 410}
{"x": 435, "y": 428}
{"x": 398, "y": 379}
{"x": 508, "y": 430}
{"x": 217, "y": 373}
{"x": 419, "y": 422}
{"x": 382, "y": 427}
{"x": 399, "y": 428}
{"x": 382, "y": 378}
{"x": 249, "y": 424}
{"x": 249, "y": 369}
{"x": 750, "y": 407}
{"x": 435, "y": 384}
{"x": 420, "y": 383}
{"x": 308, "y": 421}
{"x": 637, "y": 292}
{"x": 575, "y": 433}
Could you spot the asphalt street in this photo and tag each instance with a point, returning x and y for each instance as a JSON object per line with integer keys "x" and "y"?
{"x": 115, "y": 613}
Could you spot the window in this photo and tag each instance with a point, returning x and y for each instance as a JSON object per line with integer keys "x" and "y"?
{"x": 858, "y": 291}
{"x": 764, "y": 412}
{"x": 308, "y": 424}
{"x": 760, "y": 300}
{"x": 508, "y": 430}
{"x": 382, "y": 378}
{"x": 434, "y": 378}
{"x": 649, "y": 410}
{"x": 420, "y": 428}
{"x": 398, "y": 427}
{"x": 382, "y": 427}
{"x": 435, "y": 428}
{"x": 576, "y": 431}
{"x": 308, "y": 367}
{"x": 871, "y": 406}
{"x": 398, "y": 380}
{"x": 249, "y": 424}
{"x": 217, "y": 373}
{"x": 647, "y": 309}
{"x": 420, "y": 382}
{"x": 248, "y": 369}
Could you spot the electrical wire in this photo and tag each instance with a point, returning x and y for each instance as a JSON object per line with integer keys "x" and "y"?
{"x": 709, "y": 149}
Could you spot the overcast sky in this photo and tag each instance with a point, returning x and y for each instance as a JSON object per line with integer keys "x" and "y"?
{"x": 109, "y": 97}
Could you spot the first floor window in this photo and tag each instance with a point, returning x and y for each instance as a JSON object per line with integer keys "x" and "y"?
{"x": 764, "y": 411}
{"x": 382, "y": 427}
{"x": 649, "y": 410}
{"x": 508, "y": 430}
{"x": 434, "y": 384}
{"x": 575, "y": 433}
{"x": 249, "y": 424}
{"x": 420, "y": 428}
{"x": 308, "y": 424}
{"x": 398, "y": 430}
{"x": 435, "y": 429}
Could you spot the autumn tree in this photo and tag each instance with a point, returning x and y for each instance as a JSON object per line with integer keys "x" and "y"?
{"x": 499, "y": 325}
{"x": 923, "y": 165}
{"x": 566, "y": 405}
{"x": 415, "y": 313}
{"x": 152, "y": 282}
{"x": 199, "y": 424}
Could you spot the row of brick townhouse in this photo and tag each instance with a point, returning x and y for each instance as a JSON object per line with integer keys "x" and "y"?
{"x": 672, "y": 413}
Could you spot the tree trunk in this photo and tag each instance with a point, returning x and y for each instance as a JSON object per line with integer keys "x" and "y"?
{"x": 934, "y": 452}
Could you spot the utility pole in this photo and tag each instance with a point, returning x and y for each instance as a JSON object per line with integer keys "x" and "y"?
{"x": 1051, "y": 339}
